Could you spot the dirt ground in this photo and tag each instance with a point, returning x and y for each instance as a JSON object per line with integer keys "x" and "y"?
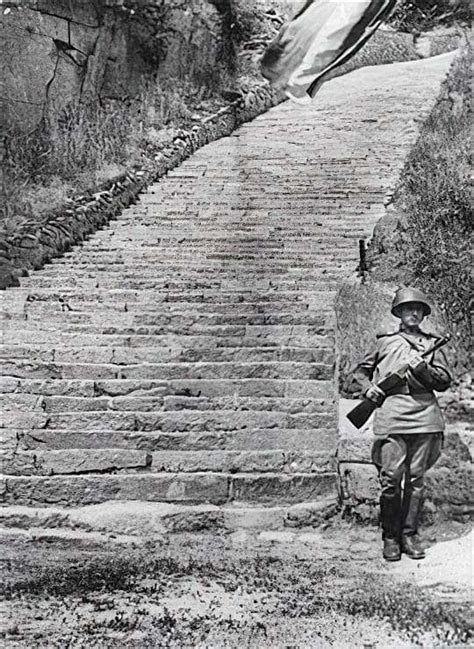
{"x": 314, "y": 588}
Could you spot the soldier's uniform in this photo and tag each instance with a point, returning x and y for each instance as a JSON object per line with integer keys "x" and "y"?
{"x": 408, "y": 425}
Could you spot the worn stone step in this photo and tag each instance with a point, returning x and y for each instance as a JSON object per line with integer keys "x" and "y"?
{"x": 167, "y": 371}
{"x": 150, "y": 518}
{"x": 203, "y": 487}
{"x": 157, "y": 240}
{"x": 54, "y": 302}
{"x": 229, "y": 256}
{"x": 45, "y": 352}
{"x": 246, "y": 439}
{"x": 88, "y": 280}
{"x": 125, "y": 323}
{"x": 241, "y": 299}
{"x": 143, "y": 337}
{"x": 82, "y": 461}
{"x": 174, "y": 320}
{"x": 120, "y": 234}
{"x": 250, "y": 461}
{"x": 159, "y": 400}
{"x": 241, "y": 276}
{"x": 166, "y": 421}
{"x": 163, "y": 402}
{"x": 237, "y": 388}
{"x": 195, "y": 266}
{"x": 75, "y": 461}
{"x": 315, "y": 252}
{"x": 96, "y": 488}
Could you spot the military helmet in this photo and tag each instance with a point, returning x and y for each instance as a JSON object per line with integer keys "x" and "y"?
{"x": 405, "y": 295}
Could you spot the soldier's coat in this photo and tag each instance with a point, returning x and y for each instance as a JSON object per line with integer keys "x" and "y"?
{"x": 413, "y": 408}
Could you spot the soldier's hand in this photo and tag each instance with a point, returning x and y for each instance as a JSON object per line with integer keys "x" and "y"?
{"x": 375, "y": 394}
{"x": 416, "y": 362}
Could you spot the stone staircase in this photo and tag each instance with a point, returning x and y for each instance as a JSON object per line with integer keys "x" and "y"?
{"x": 185, "y": 354}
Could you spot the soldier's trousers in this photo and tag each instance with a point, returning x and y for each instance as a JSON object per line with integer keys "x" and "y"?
{"x": 404, "y": 459}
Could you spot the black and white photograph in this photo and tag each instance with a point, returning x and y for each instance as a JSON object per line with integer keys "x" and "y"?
{"x": 235, "y": 271}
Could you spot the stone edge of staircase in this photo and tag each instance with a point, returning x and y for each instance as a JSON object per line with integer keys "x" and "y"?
{"x": 33, "y": 245}
{"x": 157, "y": 518}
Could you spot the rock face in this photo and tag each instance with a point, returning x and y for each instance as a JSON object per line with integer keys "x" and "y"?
{"x": 185, "y": 354}
{"x": 56, "y": 52}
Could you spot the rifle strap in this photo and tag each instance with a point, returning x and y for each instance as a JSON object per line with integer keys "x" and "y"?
{"x": 439, "y": 342}
{"x": 412, "y": 344}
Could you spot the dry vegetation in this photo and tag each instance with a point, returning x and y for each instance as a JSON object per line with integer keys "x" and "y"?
{"x": 216, "y": 592}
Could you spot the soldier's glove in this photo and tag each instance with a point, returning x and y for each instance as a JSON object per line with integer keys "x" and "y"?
{"x": 376, "y": 395}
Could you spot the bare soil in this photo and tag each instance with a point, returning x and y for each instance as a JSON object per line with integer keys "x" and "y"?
{"x": 313, "y": 588}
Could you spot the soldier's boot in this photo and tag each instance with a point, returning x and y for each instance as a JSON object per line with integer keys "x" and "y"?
{"x": 391, "y": 550}
{"x": 410, "y": 541}
{"x": 411, "y": 546}
{"x": 390, "y": 516}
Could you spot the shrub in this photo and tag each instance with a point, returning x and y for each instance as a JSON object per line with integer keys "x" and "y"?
{"x": 430, "y": 247}
{"x": 423, "y": 15}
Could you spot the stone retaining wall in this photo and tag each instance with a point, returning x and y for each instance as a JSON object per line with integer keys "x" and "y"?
{"x": 57, "y": 52}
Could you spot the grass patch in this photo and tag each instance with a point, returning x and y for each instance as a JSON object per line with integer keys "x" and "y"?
{"x": 117, "y": 591}
{"x": 80, "y": 149}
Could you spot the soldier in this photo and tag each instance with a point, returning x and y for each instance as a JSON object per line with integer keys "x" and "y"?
{"x": 408, "y": 422}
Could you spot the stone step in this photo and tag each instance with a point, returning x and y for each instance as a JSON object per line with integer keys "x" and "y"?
{"x": 247, "y": 439}
{"x": 57, "y": 404}
{"x": 173, "y": 320}
{"x": 148, "y": 518}
{"x": 255, "y": 256}
{"x": 242, "y": 275}
{"x": 166, "y": 421}
{"x": 263, "y": 236}
{"x": 153, "y": 304}
{"x": 83, "y": 461}
{"x": 175, "y": 353}
{"x": 225, "y": 336}
{"x": 91, "y": 280}
{"x": 277, "y": 279}
{"x": 244, "y": 299}
{"x": 167, "y": 371}
{"x": 102, "y": 314}
{"x": 198, "y": 260}
{"x": 200, "y": 388}
{"x": 188, "y": 488}
{"x": 212, "y": 234}
{"x": 319, "y": 252}
{"x": 274, "y": 337}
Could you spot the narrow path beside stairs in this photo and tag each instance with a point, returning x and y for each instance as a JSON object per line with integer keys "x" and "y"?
{"x": 185, "y": 354}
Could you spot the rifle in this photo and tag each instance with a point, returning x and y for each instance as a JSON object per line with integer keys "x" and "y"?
{"x": 360, "y": 414}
